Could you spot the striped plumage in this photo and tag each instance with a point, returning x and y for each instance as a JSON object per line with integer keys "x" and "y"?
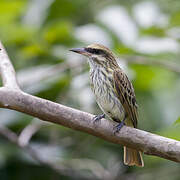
{"x": 113, "y": 91}
{"x": 102, "y": 86}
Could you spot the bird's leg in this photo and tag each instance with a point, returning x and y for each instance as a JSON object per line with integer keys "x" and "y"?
{"x": 119, "y": 126}
{"x": 98, "y": 118}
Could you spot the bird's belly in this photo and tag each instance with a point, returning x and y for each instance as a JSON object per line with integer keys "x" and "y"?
{"x": 108, "y": 102}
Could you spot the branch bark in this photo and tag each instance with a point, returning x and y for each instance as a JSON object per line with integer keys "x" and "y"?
{"x": 56, "y": 113}
{"x": 7, "y": 70}
{"x": 12, "y": 97}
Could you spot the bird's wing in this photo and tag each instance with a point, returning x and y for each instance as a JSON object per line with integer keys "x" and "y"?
{"x": 126, "y": 95}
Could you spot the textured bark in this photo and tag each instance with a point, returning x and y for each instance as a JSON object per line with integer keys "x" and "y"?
{"x": 56, "y": 113}
{"x": 12, "y": 97}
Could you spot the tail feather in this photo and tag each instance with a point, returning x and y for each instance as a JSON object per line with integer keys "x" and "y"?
{"x": 133, "y": 157}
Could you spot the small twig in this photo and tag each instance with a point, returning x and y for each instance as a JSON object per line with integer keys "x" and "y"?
{"x": 11, "y": 136}
{"x": 7, "y": 70}
{"x": 27, "y": 133}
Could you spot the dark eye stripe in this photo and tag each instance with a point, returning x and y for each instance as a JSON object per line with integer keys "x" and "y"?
{"x": 95, "y": 51}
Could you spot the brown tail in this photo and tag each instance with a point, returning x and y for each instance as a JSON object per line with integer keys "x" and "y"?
{"x": 133, "y": 157}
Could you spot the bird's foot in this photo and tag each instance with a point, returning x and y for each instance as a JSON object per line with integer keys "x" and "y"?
{"x": 97, "y": 118}
{"x": 118, "y": 127}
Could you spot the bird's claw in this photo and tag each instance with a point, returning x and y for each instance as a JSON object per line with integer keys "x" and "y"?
{"x": 118, "y": 127}
{"x": 97, "y": 118}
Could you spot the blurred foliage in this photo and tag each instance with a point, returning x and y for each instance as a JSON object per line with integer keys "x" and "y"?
{"x": 177, "y": 121}
{"x": 38, "y": 34}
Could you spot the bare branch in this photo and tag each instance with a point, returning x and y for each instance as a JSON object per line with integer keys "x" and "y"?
{"x": 7, "y": 71}
{"x": 29, "y": 131}
{"x": 49, "y": 111}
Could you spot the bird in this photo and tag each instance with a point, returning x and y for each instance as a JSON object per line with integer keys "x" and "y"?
{"x": 113, "y": 92}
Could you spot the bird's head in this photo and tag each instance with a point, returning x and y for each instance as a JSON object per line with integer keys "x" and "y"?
{"x": 98, "y": 55}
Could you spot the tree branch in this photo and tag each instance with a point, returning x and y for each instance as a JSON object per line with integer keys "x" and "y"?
{"x": 7, "y": 70}
{"x": 49, "y": 111}
{"x": 12, "y": 97}
{"x": 27, "y": 133}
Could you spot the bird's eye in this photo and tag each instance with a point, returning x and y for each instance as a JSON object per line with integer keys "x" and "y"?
{"x": 94, "y": 51}
{"x": 97, "y": 51}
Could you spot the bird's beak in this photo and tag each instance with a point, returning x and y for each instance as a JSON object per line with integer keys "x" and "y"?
{"x": 80, "y": 51}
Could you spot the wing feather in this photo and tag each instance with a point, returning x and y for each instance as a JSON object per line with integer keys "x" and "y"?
{"x": 126, "y": 95}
